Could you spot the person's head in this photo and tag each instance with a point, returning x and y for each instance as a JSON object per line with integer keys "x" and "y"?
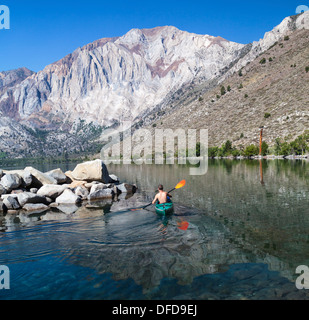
{"x": 160, "y": 187}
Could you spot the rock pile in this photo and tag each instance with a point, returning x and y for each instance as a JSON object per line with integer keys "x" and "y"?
{"x": 31, "y": 190}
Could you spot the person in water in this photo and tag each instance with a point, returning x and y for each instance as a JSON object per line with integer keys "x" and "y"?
{"x": 162, "y": 196}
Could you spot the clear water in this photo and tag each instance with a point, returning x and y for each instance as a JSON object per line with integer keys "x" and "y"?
{"x": 239, "y": 232}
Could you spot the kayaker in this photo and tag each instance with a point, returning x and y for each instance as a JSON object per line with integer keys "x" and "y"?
{"x": 162, "y": 196}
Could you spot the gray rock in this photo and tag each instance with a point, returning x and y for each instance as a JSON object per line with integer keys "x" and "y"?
{"x": 28, "y": 197}
{"x": 49, "y": 200}
{"x": 127, "y": 188}
{"x": 58, "y": 175}
{"x": 39, "y": 178}
{"x": 114, "y": 178}
{"x": 101, "y": 194}
{"x": 68, "y": 197}
{"x": 52, "y": 190}
{"x": 37, "y": 207}
{"x": 33, "y": 190}
{"x": 1, "y": 206}
{"x": 1, "y": 173}
{"x": 11, "y": 181}
{"x": 96, "y": 187}
{"x": 4, "y": 196}
{"x": 82, "y": 192}
{"x": 18, "y": 191}
{"x": 49, "y": 216}
{"x": 11, "y": 203}
{"x": 2, "y": 190}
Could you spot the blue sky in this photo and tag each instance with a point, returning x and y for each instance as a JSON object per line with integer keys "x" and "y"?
{"x": 45, "y": 31}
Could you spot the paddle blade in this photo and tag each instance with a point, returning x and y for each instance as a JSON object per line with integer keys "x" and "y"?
{"x": 183, "y": 225}
{"x": 181, "y": 184}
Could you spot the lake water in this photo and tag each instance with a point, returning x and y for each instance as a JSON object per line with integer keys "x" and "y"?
{"x": 238, "y": 232}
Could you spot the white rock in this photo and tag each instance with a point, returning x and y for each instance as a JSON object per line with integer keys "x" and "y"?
{"x": 68, "y": 197}
{"x": 91, "y": 171}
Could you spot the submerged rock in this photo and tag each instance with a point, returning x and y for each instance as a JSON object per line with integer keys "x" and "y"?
{"x": 37, "y": 207}
{"x": 67, "y": 208}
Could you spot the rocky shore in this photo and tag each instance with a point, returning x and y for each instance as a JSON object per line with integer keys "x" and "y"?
{"x": 32, "y": 191}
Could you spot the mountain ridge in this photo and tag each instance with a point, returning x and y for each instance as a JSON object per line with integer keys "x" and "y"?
{"x": 117, "y": 78}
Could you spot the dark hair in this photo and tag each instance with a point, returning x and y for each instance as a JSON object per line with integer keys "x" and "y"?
{"x": 160, "y": 187}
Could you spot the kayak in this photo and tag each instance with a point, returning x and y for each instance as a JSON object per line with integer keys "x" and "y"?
{"x": 165, "y": 208}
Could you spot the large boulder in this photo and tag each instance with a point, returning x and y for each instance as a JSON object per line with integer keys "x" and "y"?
{"x": 52, "y": 191}
{"x": 101, "y": 194}
{"x": 28, "y": 197}
{"x": 58, "y": 175}
{"x": 39, "y": 178}
{"x": 11, "y": 181}
{"x": 91, "y": 171}
{"x": 68, "y": 197}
